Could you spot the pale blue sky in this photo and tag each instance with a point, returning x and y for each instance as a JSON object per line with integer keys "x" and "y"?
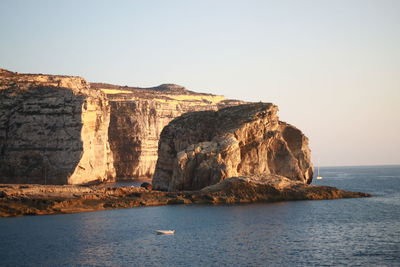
{"x": 333, "y": 67}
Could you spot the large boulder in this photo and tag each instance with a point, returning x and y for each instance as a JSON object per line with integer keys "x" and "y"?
{"x": 199, "y": 149}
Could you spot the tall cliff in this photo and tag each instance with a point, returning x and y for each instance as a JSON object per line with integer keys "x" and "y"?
{"x": 203, "y": 148}
{"x": 138, "y": 116}
{"x": 53, "y": 129}
{"x": 61, "y": 129}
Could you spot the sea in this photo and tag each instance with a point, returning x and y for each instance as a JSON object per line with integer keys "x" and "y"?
{"x": 343, "y": 232}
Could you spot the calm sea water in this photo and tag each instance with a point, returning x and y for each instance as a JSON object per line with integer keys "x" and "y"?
{"x": 345, "y": 232}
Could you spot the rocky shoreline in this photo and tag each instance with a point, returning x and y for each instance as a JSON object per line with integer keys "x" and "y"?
{"x": 32, "y": 199}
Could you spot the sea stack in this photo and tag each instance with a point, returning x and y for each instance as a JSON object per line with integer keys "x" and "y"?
{"x": 199, "y": 149}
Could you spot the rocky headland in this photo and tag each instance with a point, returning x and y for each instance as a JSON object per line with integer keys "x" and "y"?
{"x": 62, "y": 140}
{"x": 58, "y": 129}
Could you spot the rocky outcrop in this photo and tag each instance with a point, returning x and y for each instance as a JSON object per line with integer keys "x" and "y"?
{"x": 53, "y": 130}
{"x": 203, "y": 148}
{"x": 271, "y": 188}
{"x": 138, "y": 116}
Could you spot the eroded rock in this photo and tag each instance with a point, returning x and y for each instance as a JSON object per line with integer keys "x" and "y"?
{"x": 53, "y": 130}
{"x": 60, "y": 129}
{"x": 138, "y": 116}
{"x": 271, "y": 188}
{"x": 203, "y": 148}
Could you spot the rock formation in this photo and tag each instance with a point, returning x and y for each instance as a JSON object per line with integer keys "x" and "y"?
{"x": 203, "y": 148}
{"x": 53, "y": 130}
{"x": 138, "y": 116}
{"x": 271, "y": 188}
{"x": 61, "y": 129}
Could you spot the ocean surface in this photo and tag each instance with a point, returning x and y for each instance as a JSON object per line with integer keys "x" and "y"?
{"x": 344, "y": 232}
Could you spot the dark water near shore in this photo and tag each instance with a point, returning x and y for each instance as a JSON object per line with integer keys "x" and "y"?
{"x": 345, "y": 232}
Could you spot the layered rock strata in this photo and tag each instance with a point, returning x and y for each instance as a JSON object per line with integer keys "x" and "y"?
{"x": 53, "y": 130}
{"x": 138, "y": 116}
{"x": 61, "y": 129}
{"x": 203, "y": 148}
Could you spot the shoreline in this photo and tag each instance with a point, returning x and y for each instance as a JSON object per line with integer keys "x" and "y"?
{"x": 32, "y": 199}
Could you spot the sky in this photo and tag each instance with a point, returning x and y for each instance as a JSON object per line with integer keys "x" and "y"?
{"x": 332, "y": 66}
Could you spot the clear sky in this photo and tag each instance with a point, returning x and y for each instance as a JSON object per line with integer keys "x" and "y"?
{"x": 332, "y": 66}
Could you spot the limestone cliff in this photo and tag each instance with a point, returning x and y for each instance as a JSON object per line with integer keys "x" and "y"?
{"x": 138, "y": 116}
{"x": 61, "y": 129}
{"x": 53, "y": 129}
{"x": 202, "y": 148}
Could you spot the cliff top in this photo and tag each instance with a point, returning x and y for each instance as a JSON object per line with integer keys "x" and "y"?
{"x": 26, "y": 81}
{"x": 162, "y": 93}
{"x": 5, "y": 73}
{"x": 171, "y": 93}
{"x": 163, "y": 89}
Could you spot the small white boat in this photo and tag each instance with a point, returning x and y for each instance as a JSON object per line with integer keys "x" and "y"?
{"x": 318, "y": 177}
{"x": 165, "y": 232}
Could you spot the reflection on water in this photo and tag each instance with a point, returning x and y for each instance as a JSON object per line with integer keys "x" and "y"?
{"x": 347, "y": 232}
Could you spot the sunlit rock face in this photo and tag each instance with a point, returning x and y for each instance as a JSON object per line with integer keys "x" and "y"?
{"x": 53, "y": 130}
{"x": 61, "y": 129}
{"x": 202, "y": 148}
{"x": 138, "y": 116}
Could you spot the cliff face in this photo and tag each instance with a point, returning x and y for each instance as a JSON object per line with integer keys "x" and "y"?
{"x": 53, "y": 129}
{"x": 138, "y": 116}
{"x": 202, "y": 148}
{"x": 61, "y": 129}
